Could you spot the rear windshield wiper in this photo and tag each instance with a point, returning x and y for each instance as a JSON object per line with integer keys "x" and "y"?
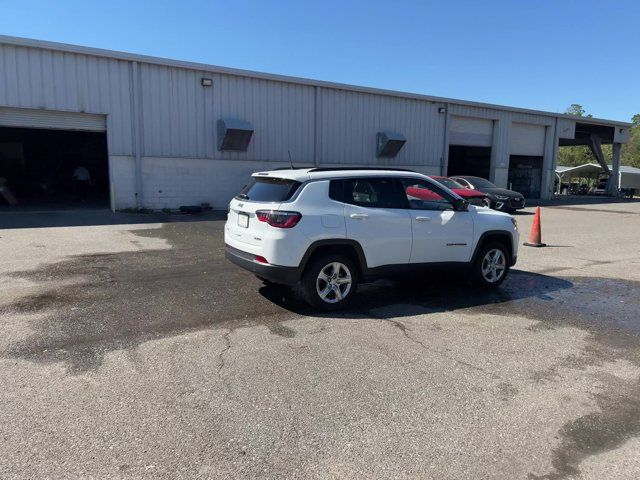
{"x": 242, "y": 196}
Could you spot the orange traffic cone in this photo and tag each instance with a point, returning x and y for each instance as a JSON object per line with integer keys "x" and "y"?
{"x": 535, "y": 237}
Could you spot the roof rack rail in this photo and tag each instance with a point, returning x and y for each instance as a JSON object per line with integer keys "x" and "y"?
{"x": 333, "y": 169}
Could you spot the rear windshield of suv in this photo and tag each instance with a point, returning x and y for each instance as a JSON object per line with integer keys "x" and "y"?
{"x": 268, "y": 190}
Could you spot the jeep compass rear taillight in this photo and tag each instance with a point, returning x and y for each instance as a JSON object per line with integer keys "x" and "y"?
{"x": 279, "y": 219}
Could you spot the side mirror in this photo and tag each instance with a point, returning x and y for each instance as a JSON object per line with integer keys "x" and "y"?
{"x": 461, "y": 205}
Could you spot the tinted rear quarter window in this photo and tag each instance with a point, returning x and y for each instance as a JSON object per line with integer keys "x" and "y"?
{"x": 336, "y": 190}
{"x": 269, "y": 190}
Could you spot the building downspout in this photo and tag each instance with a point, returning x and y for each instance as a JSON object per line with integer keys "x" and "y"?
{"x": 136, "y": 114}
{"x": 444, "y": 163}
{"x": 554, "y": 155}
{"x": 316, "y": 126}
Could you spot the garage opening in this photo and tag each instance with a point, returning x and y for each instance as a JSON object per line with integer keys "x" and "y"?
{"x": 56, "y": 168}
{"x": 526, "y": 147}
{"x": 525, "y": 175}
{"x": 466, "y": 160}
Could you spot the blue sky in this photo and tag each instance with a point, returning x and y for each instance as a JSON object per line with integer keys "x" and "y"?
{"x": 543, "y": 54}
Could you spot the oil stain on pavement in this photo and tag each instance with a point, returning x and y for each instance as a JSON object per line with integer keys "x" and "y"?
{"x": 114, "y": 301}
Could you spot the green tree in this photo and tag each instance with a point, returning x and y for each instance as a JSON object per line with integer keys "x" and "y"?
{"x": 577, "y": 110}
{"x": 579, "y": 154}
{"x": 630, "y": 154}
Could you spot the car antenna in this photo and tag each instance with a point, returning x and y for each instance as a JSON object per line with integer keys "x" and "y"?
{"x": 290, "y": 161}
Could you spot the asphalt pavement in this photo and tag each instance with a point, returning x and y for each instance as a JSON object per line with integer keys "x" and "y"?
{"x": 132, "y": 349}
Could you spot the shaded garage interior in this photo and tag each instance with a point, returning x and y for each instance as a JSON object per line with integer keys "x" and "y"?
{"x": 525, "y": 175}
{"x": 38, "y": 167}
{"x": 469, "y": 160}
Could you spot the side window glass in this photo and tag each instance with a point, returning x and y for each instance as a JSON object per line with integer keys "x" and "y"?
{"x": 424, "y": 196}
{"x": 363, "y": 192}
{"x": 336, "y": 190}
{"x": 374, "y": 193}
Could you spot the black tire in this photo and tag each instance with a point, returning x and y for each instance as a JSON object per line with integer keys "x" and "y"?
{"x": 311, "y": 277}
{"x": 478, "y": 273}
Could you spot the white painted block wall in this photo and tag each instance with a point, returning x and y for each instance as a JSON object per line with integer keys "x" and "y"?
{"x": 122, "y": 184}
{"x": 173, "y": 182}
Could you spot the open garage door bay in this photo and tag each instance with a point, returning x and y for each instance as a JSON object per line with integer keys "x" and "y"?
{"x": 470, "y": 142}
{"x": 52, "y": 158}
{"x": 33, "y": 118}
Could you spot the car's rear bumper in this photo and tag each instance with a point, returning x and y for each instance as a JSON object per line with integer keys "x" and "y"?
{"x": 273, "y": 273}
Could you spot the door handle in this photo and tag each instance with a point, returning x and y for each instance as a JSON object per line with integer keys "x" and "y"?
{"x": 359, "y": 216}
{"x": 423, "y": 219}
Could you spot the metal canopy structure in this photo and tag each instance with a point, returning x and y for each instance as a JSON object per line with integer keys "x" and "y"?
{"x": 628, "y": 177}
{"x": 594, "y": 136}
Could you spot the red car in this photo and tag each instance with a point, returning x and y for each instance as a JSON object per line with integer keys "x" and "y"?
{"x": 474, "y": 197}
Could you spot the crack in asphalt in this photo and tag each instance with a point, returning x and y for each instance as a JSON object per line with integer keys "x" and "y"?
{"x": 226, "y": 348}
{"x": 122, "y": 300}
{"x": 406, "y": 332}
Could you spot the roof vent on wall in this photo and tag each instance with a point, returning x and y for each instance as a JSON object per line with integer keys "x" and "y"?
{"x": 389, "y": 144}
{"x": 234, "y": 135}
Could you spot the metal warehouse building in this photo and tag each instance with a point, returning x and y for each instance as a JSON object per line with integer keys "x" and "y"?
{"x": 159, "y": 133}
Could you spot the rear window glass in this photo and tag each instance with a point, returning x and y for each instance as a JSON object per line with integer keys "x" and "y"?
{"x": 480, "y": 182}
{"x": 447, "y": 182}
{"x": 269, "y": 190}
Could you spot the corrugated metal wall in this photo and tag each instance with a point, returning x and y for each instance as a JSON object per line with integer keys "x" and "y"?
{"x": 45, "y": 79}
{"x": 350, "y": 120}
{"x": 282, "y": 115}
{"x": 178, "y": 115}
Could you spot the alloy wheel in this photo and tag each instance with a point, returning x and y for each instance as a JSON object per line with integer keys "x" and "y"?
{"x": 334, "y": 282}
{"x": 494, "y": 264}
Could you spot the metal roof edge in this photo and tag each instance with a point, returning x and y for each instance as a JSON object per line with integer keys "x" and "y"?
{"x": 627, "y": 168}
{"x": 133, "y": 57}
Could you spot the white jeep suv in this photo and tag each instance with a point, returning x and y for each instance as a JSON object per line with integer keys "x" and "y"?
{"x": 333, "y": 228}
